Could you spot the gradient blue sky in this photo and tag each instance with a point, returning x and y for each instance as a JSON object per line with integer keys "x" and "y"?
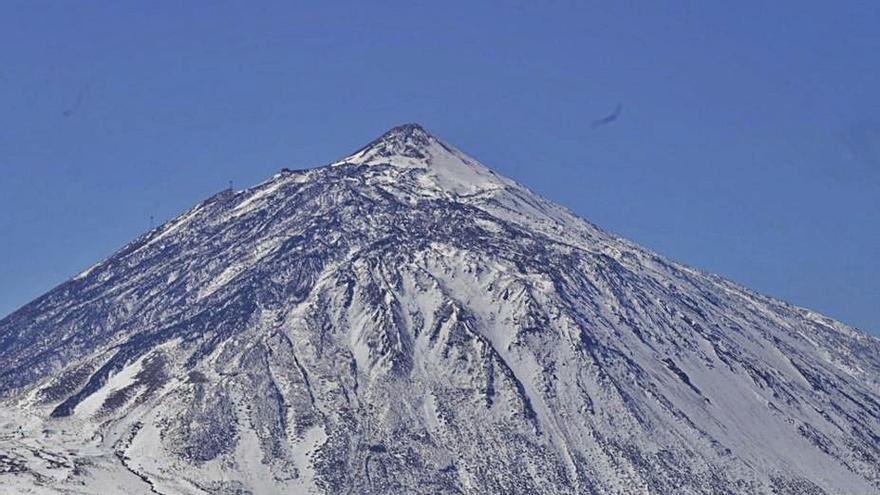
{"x": 748, "y": 144}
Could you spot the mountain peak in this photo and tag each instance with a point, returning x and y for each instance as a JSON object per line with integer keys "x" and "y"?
{"x": 445, "y": 168}
{"x": 407, "y": 145}
{"x": 403, "y": 131}
{"x": 411, "y": 140}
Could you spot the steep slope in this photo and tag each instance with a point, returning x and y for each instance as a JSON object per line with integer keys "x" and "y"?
{"x": 406, "y": 321}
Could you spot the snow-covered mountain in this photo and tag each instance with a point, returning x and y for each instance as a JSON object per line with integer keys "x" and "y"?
{"x": 406, "y": 321}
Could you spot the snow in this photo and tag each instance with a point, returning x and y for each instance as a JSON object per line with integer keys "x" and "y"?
{"x": 303, "y": 451}
{"x": 85, "y": 273}
{"x": 449, "y": 171}
{"x": 232, "y": 271}
{"x": 118, "y": 381}
{"x": 173, "y": 226}
{"x": 259, "y": 194}
{"x": 50, "y": 454}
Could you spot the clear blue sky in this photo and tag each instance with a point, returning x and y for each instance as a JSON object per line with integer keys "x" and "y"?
{"x": 748, "y": 144}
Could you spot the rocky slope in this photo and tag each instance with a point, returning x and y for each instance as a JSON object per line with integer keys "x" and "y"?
{"x": 406, "y": 321}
